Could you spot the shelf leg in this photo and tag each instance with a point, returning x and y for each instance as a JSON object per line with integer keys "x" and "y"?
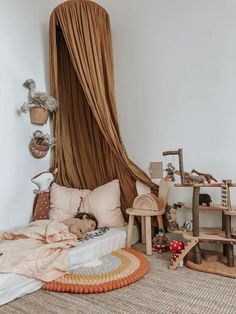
{"x": 230, "y": 255}
{"x": 227, "y": 226}
{"x": 195, "y": 211}
{"x": 196, "y": 249}
{"x": 229, "y": 247}
{"x": 225, "y": 249}
{"x": 223, "y": 221}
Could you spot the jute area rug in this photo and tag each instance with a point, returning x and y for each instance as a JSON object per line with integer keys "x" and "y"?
{"x": 160, "y": 291}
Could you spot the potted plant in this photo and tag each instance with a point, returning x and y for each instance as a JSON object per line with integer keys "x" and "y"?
{"x": 40, "y": 144}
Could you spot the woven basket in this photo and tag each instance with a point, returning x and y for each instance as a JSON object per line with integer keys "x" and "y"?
{"x": 38, "y": 151}
{"x": 38, "y": 115}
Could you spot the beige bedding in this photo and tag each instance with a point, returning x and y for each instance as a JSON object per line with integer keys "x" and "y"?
{"x": 40, "y": 250}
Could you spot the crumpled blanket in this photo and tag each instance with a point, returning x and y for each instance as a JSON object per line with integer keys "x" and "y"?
{"x": 40, "y": 250}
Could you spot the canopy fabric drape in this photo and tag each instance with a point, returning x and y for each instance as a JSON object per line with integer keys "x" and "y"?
{"x": 89, "y": 150}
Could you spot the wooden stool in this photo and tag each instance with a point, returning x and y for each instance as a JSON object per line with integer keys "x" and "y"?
{"x": 146, "y": 229}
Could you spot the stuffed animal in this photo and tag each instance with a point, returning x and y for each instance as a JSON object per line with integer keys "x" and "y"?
{"x": 205, "y": 199}
{"x": 38, "y": 99}
{"x": 41, "y": 204}
{"x": 160, "y": 243}
{"x": 44, "y": 179}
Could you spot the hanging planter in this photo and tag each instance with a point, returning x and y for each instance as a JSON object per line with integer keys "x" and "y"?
{"x": 38, "y": 151}
{"x": 40, "y": 144}
{"x": 39, "y": 104}
{"x": 38, "y": 115}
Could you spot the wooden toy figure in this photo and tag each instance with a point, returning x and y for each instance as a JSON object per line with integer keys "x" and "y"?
{"x": 170, "y": 172}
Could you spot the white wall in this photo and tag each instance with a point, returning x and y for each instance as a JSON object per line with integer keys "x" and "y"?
{"x": 23, "y": 55}
{"x": 175, "y": 74}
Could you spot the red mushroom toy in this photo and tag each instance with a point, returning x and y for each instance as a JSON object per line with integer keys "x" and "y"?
{"x": 176, "y": 247}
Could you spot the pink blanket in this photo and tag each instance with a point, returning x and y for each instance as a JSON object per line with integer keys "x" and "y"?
{"x": 39, "y": 250}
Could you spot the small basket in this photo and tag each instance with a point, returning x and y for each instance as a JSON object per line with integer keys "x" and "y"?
{"x": 38, "y": 115}
{"x": 38, "y": 151}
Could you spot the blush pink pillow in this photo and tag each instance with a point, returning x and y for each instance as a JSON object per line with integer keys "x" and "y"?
{"x": 64, "y": 202}
{"x": 104, "y": 203}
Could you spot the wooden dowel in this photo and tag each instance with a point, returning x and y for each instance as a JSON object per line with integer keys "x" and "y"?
{"x": 225, "y": 249}
{"x": 223, "y": 222}
{"x": 230, "y": 255}
{"x": 196, "y": 249}
{"x": 170, "y": 152}
{"x": 227, "y": 227}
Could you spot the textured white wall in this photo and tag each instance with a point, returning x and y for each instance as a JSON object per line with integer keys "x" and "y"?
{"x": 23, "y": 54}
{"x": 175, "y": 74}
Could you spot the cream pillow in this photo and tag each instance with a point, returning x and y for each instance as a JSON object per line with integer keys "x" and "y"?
{"x": 104, "y": 203}
{"x": 64, "y": 202}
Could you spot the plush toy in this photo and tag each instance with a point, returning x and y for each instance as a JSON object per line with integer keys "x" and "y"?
{"x": 41, "y": 204}
{"x": 160, "y": 243}
{"x": 38, "y": 99}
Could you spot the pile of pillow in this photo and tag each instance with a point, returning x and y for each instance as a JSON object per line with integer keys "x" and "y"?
{"x": 103, "y": 202}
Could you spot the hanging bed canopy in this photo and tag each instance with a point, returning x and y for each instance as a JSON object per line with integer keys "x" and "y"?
{"x": 89, "y": 150}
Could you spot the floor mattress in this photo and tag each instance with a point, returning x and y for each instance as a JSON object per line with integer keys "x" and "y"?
{"x": 13, "y": 286}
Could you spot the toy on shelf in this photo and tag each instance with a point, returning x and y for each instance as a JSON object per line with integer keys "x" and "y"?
{"x": 208, "y": 176}
{"x": 171, "y": 216}
{"x": 160, "y": 243}
{"x": 170, "y": 172}
{"x": 170, "y": 168}
{"x": 205, "y": 199}
{"x": 188, "y": 226}
{"x": 190, "y": 178}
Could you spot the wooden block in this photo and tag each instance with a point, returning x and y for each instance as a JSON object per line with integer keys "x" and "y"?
{"x": 156, "y": 169}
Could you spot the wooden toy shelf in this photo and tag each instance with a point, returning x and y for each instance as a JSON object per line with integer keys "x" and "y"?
{"x": 214, "y": 207}
{"x": 210, "y": 235}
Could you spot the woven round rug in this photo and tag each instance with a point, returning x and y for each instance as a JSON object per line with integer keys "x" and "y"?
{"x": 116, "y": 270}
